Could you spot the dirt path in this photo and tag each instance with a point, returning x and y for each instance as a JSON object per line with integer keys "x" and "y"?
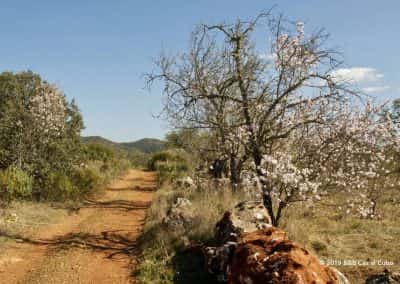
{"x": 96, "y": 244}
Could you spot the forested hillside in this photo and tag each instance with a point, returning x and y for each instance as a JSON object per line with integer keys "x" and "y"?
{"x": 146, "y": 145}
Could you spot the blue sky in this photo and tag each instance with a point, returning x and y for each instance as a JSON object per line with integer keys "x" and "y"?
{"x": 97, "y": 51}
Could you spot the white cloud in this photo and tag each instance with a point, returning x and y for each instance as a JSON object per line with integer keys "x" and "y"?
{"x": 357, "y": 74}
{"x": 375, "y": 89}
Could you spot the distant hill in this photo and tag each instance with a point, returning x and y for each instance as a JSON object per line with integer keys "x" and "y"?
{"x": 146, "y": 145}
{"x": 100, "y": 140}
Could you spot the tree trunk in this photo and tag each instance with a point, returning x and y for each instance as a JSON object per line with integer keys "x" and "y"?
{"x": 268, "y": 204}
{"x": 235, "y": 172}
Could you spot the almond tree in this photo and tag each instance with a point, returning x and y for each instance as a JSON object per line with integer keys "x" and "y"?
{"x": 355, "y": 155}
{"x": 285, "y": 115}
{"x": 201, "y": 95}
{"x": 367, "y": 164}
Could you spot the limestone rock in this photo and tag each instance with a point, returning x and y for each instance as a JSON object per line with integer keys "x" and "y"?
{"x": 185, "y": 182}
{"x": 180, "y": 214}
{"x": 245, "y": 217}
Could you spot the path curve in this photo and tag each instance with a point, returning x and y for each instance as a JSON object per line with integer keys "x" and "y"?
{"x": 96, "y": 244}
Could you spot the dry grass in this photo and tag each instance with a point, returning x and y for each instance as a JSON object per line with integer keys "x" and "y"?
{"x": 323, "y": 230}
{"x": 333, "y": 236}
{"x": 23, "y": 218}
{"x": 163, "y": 260}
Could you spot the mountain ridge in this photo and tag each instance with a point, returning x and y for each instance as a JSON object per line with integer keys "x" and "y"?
{"x": 146, "y": 145}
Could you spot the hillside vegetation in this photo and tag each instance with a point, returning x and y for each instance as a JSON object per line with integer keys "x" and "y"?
{"x": 145, "y": 145}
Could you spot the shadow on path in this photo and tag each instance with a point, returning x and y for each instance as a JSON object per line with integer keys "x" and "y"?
{"x": 113, "y": 242}
{"x": 117, "y": 204}
{"x": 133, "y": 188}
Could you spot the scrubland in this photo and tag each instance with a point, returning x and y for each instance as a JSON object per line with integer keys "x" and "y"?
{"x": 349, "y": 243}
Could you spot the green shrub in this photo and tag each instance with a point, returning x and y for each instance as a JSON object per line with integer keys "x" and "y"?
{"x": 138, "y": 158}
{"x": 58, "y": 187}
{"x": 169, "y": 171}
{"x": 108, "y": 171}
{"x": 105, "y": 168}
{"x": 86, "y": 179}
{"x": 29, "y": 139}
{"x": 157, "y": 157}
{"x": 169, "y": 164}
{"x": 15, "y": 184}
{"x": 98, "y": 152}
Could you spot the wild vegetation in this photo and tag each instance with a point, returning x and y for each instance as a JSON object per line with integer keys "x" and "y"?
{"x": 281, "y": 126}
{"x": 145, "y": 145}
{"x": 276, "y": 124}
{"x": 48, "y": 173}
{"x": 42, "y": 157}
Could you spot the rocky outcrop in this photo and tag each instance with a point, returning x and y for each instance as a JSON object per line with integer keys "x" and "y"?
{"x": 245, "y": 217}
{"x": 268, "y": 256}
{"x": 251, "y": 251}
{"x": 250, "y": 216}
{"x": 180, "y": 214}
{"x": 187, "y": 182}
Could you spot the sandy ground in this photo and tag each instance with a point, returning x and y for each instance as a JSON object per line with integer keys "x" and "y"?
{"x": 95, "y": 244}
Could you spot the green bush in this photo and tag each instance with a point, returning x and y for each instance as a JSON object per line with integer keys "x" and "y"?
{"x": 58, "y": 187}
{"x": 15, "y": 184}
{"x": 169, "y": 164}
{"x": 37, "y": 144}
{"x": 159, "y": 157}
{"x": 86, "y": 179}
{"x": 138, "y": 158}
{"x": 170, "y": 171}
{"x": 98, "y": 152}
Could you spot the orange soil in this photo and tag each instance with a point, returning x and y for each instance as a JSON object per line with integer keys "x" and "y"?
{"x": 96, "y": 244}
